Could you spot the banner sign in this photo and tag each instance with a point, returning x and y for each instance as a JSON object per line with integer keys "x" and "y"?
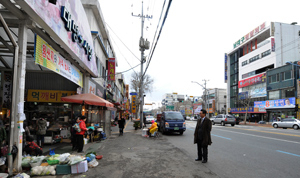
{"x": 242, "y": 110}
{"x": 67, "y": 23}
{"x": 249, "y": 35}
{"x": 197, "y": 108}
{"x": 48, "y": 96}
{"x": 253, "y": 80}
{"x": 258, "y": 92}
{"x": 133, "y": 104}
{"x": 271, "y": 104}
{"x": 273, "y": 44}
{"x": 225, "y": 68}
{"x": 111, "y": 69}
{"x": 47, "y": 57}
{"x": 7, "y": 89}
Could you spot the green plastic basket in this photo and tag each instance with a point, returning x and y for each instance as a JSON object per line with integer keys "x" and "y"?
{"x": 52, "y": 162}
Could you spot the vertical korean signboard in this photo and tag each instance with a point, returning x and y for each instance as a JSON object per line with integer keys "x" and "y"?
{"x": 111, "y": 69}
{"x": 133, "y": 103}
{"x": 225, "y": 68}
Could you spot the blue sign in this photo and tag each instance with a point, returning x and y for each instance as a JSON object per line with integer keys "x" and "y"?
{"x": 271, "y": 104}
{"x": 133, "y": 93}
{"x": 182, "y": 112}
{"x": 242, "y": 110}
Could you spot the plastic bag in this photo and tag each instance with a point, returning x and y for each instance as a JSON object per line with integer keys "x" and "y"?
{"x": 64, "y": 158}
{"x": 2, "y": 161}
{"x": 36, "y": 161}
{"x": 93, "y": 163}
{"x": 43, "y": 170}
{"x": 91, "y": 156}
{"x": 75, "y": 160}
{"x": 26, "y": 161}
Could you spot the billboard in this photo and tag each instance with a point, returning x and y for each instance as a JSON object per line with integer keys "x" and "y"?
{"x": 274, "y": 104}
{"x": 47, "y": 57}
{"x": 48, "y": 96}
{"x": 67, "y": 23}
{"x": 261, "y": 78}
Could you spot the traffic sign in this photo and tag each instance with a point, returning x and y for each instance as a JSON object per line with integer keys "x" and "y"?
{"x": 133, "y": 93}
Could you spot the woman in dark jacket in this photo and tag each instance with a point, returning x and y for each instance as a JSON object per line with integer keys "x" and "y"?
{"x": 121, "y": 123}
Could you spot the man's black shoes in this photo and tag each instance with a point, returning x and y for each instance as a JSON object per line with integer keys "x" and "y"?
{"x": 204, "y": 161}
{"x": 198, "y": 159}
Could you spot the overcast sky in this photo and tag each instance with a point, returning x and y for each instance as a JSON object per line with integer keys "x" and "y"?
{"x": 193, "y": 41}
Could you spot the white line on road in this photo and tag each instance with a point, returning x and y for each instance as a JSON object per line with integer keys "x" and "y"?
{"x": 221, "y": 137}
{"x": 260, "y": 136}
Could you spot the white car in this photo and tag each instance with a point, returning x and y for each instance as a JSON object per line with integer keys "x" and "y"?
{"x": 149, "y": 119}
{"x": 287, "y": 123}
{"x": 188, "y": 118}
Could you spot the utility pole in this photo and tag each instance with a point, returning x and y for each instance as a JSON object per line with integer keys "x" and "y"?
{"x": 143, "y": 45}
{"x": 206, "y": 93}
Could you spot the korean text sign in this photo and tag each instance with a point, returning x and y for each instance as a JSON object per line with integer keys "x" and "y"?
{"x": 49, "y": 96}
{"x": 281, "y": 103}
{"x": 47, "y": 57}
{"x": 111, "y": 69}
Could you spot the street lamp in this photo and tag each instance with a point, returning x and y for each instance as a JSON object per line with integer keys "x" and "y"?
{"x": 205, "y": 90}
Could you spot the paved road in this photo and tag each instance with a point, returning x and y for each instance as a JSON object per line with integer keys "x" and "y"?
{"x": 246, "y": 151}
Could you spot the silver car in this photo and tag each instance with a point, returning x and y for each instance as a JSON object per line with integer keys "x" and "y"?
{"x": 224, "y": 119}
{"x": 287, "y": 123}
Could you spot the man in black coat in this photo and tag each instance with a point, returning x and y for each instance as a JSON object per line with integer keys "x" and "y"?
{"x": 202, "y": 136}
{"x": 121, "y": 123}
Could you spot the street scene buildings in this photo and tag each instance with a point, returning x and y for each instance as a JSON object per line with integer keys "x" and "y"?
{"x": 67, "y": 110}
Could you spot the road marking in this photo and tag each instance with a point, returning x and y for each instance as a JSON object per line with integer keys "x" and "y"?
{"x": 261, "y": 136}
{"x": 288, "y": 153}
{"x": 221, "y": 137}
{"x": 269, "y": 132}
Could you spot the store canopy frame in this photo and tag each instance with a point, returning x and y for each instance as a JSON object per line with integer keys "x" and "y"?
{"x": 89, "y": 99}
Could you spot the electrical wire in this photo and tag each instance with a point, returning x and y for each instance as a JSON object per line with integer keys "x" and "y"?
{"x": 122, "y": 54}
{"x": 122, "y": 42}
{"x": 165, "y": 17}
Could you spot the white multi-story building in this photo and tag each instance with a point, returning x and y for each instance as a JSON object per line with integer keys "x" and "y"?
{"x": 268, "y": 46}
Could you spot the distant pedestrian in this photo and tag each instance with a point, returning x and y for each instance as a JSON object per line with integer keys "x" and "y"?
{"x": 144, "y": 121}
{"x": 41, "y": 131}
{"x": 121, "y": 123}
{"x": 202, "y": 136}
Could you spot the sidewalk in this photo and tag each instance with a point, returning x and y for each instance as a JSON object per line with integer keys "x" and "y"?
{"x": 134, "y": 156}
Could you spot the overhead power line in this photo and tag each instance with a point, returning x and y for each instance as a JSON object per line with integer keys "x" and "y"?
{"x": 165, "y": 17}
{"x": 122, "y": 41}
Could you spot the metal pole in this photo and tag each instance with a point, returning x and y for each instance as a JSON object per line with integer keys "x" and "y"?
{"x": 142, "y": 60}
{"x": 14, "y": 90}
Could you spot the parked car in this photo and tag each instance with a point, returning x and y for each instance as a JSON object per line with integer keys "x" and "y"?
{"x": 212, "y": 119}
{"x": 149, "y": 119}
{"x": 224, "y": 119}
{"x": 172, "y": 121}
{"x": 287, "y": 123}
{"x": 262, "y": 122}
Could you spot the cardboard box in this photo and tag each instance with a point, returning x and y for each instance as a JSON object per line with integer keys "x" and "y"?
{"x": 80, "y": 167}
{"x": 48, "y": 140}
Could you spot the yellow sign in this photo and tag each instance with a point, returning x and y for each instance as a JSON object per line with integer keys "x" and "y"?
{"x": 49, "y": 96}
{"x": 133, "y": 103}
{"x": 47, "y": 57}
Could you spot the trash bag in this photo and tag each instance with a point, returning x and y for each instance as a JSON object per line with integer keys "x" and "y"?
{"x": 93, "y": 163}
{"x": 75, "y": 160}
{"x": 64, "y": 158}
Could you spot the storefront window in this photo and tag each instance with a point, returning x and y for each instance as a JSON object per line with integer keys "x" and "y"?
{"x": 274, "y": 95}
{"x": 287, "y": 93}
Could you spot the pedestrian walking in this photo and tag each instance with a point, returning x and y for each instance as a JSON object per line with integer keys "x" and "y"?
{"x": 41, "y": 131}
{"x": 121, "y": 123}
{"x": 202, "y": 136}
{"x": 80, "y": 134}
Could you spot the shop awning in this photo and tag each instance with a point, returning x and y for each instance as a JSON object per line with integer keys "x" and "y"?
{"x": 88, "y": 98}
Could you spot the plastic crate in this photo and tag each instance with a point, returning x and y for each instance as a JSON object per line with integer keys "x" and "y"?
{"x": 63, "y": 169}
{"x": 52, "y": 162}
